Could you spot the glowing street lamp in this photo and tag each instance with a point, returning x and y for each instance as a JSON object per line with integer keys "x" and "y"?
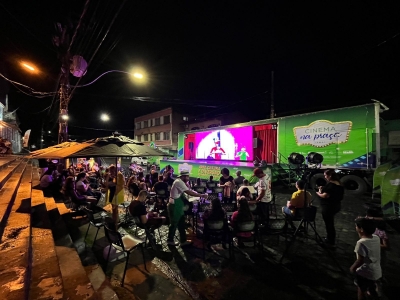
{"x": 104, "y": 117}
{"x": 29, "y": 67}
{"x": 138, "y": 75}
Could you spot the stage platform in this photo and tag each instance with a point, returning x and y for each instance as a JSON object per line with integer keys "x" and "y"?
{"x": 204, "y": 168}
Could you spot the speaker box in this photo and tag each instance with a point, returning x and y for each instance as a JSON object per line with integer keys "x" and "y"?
{"x": 255, "y": 142}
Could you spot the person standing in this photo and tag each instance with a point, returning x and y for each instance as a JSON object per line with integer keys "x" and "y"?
{"x": 176, "y": 206}
{"x": 115, "y": 191}
{"x": 227, "y": 182}
{"x": 330, "y": 196}
{"x": 264, "y": 193}
{"x": 367, "y": 268}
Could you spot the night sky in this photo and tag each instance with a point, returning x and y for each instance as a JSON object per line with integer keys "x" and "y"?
{"x": 203, "y": 53}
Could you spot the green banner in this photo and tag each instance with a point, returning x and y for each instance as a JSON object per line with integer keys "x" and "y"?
{"x": 345, "y": 137}
{"x": 379, "y": 174}
{"x": 391, "y": 192}
{"x": 203, "y": 170}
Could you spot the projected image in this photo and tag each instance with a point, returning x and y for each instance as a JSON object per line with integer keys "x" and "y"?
{"x": 225, "y": 144}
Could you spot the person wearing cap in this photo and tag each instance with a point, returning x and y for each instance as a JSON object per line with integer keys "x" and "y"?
{"x": 264, "y": 196}
{"x": 176, "y": 206}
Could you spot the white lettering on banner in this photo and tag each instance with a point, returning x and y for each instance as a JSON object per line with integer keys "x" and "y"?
{"x": 322, "y": 133}
{"x": 395, "y": 182}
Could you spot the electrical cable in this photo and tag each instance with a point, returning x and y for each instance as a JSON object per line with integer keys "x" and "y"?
{"x": 98, "y": 47}
{"x": 100, "y": 129}
{"x": 79, "y": 24}
{"x": 47, "y": 94}
{"x": 231, "y": 104}
{"x": 23, "y": 26}
{"x": 87, "y": 84}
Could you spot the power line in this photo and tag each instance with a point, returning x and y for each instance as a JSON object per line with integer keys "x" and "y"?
{"x": 101, "y": 42}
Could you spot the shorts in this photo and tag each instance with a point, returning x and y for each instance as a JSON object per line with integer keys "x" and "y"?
{"x": 365, "y": 284}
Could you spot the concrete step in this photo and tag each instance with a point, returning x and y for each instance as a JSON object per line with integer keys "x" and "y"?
{"x": 15, "y": 254}
{"x": 8, "y": 192}
{"x": 76, "y": 284}
{"x": 7, "y": 170}
{"x": 46, "y": 279}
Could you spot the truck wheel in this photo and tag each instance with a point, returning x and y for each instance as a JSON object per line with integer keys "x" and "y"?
{"x": 354, "y": 185}
{"x": 317, "y": 180}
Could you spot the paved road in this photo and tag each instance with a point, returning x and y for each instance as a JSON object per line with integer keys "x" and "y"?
{"x": 308, "y": 272}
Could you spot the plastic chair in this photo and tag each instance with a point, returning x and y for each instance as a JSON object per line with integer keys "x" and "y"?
{"x": 199, "y": 189}
{"x": 247, "y": 226}
{"x": 126, "y": 244}
{"x": 217, "y": 230}
{"x": 97, "y": 222}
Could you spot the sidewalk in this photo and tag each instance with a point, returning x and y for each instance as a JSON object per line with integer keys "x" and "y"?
{"x": 308, "y": 271}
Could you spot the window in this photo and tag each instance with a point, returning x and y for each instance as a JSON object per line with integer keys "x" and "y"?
{"x": 167, "y": 135}
{"x": 146, "y": 137}
{"x": 138, "y": 125}
{"x": 138, "y": 138}
{"x": 157, "y": 136}
{"x": 145, "y": 123}
{"x": 149, "y": 122}
{"x": 167, "y": 119}
{"x": 157, "y": 121}
{"x": 185, "y": 119}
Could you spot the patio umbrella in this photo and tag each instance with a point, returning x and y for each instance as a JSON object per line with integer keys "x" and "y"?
{"x": 34, "y": 154}
{"x": 112, "y": 146}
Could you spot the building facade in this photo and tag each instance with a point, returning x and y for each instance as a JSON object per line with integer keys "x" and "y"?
{"x": 160, "y": 129}
{"x": 9, "y": 129}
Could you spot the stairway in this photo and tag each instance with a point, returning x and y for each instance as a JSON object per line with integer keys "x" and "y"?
{"x": 284, "y": 174}
{"x": 38, "y": 259}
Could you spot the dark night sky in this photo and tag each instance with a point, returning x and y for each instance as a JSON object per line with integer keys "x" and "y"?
{"x": 324, "y": 55}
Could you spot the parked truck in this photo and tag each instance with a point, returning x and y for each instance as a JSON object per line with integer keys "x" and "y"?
{"x": 348, "y": 139}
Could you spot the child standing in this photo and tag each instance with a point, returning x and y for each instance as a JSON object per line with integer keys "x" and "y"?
{"x": 367, "y": 266}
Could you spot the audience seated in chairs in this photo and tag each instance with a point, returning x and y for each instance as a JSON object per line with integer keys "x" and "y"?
{"x": 246, "y": 184}
{"x": 239, "y": 178}
{"x": 245, "y": 194}
{"x": 243, "y": 214}
{"x": 169, "y": 180}
{"x": 77, "y": 199}
{"x": 297, "y": 201}
{"x": 137, "y": 209}
{"x": 46, "y": 180}
{"x": 161, "y": 185}
{"x": 154, "y": 179}
{"x": 83, "y": 187}
{"x": 147, "y": 181}
{"x": 133, "y": 186}
{"x": 215, "y": 214}
{"x": 211, "y": 183}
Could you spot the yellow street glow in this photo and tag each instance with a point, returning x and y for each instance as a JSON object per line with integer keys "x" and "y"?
{"x": 138, "y": 75}
{"x": 29, "y": 67}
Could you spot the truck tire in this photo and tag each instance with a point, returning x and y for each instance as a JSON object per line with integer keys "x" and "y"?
{"x": 354, "y": 185}
{"x": 317, "y": 180}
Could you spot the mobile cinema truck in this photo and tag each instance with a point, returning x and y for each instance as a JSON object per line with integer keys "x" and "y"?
{"x": 348, "y": 139}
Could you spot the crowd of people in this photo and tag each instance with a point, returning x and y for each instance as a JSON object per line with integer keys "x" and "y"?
{"x": 86, "y": 183}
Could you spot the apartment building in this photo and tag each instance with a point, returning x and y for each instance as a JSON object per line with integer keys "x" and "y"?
{"x": 160, "y": 128}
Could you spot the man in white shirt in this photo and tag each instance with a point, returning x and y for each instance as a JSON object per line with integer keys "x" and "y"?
{"x": 264, "y": 193}
{"x": 175, "y": 208}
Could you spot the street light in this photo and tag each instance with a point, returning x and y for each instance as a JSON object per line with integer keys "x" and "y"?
{"x": 104, "y": 117}
{"x": 29, "y": 66}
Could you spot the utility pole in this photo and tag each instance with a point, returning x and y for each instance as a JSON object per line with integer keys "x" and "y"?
{"x": 272, "y": 113}
{"x": 64, "y": 91}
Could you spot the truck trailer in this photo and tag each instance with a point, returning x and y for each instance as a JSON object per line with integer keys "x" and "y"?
{"x": 347, "y": 138}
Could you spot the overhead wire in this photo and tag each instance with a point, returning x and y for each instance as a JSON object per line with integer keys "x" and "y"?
{"x": 101, "y": 42}
{"x": 24, "y": 27}
{"x": 79, "y": 24}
